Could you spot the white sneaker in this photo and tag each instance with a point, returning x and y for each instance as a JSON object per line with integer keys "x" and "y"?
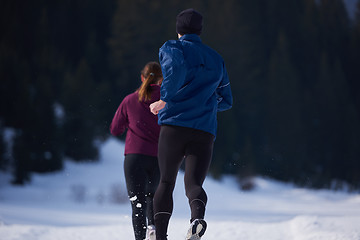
{"x": 196, "y": 230}
{"x": 150, "y": 233}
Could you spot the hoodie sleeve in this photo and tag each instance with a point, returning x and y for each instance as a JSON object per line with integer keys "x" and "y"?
{"x": 223, "y": 93}
{"x": 173, "y": 68}
{"x": 120, "y": 121}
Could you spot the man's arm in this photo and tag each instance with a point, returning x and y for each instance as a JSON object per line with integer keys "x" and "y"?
{"x": 173, "y": 68}
{"x": 155, "y": 107}
{"x": 223, "y": 93}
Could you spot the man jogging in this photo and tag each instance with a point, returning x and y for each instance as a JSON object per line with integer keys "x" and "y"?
{"x": 195, "y": 87}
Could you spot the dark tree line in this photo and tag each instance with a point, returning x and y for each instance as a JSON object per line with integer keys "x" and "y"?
{"x": 293, "y": 66}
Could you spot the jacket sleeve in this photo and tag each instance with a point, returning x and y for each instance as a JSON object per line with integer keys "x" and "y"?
{"x": 223, "y": 93}
{"x": 173, "y": 68}
{"x": 120, "y": 120}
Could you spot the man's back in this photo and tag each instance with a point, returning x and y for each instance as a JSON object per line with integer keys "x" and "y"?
{"x": 192, "y": 73}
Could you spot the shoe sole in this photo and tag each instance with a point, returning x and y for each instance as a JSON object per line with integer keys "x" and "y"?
{"x": 197, "y": 230}
{"x": 152, "y": 235}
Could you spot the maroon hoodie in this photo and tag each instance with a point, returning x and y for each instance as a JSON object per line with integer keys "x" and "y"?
{"x": 143, "y": 129}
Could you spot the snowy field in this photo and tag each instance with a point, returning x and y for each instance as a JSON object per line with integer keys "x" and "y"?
{"x": 88, "y": 202}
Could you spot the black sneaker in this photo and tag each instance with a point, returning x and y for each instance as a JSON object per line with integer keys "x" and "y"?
{"x": 196, "y": 230}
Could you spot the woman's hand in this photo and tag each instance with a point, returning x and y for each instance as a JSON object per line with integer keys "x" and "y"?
{"x": 155, "y": 107}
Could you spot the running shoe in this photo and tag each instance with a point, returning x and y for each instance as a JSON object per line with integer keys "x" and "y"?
{"x": 150, "y": 233}
{"x": 196, "y": 230}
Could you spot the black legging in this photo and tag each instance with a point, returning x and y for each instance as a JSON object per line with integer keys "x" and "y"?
{"x": 175, "y": 144}
{"x": 142, "y": 178}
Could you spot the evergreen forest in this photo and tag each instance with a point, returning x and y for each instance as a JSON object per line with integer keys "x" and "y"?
{"x": 294, "y": 68}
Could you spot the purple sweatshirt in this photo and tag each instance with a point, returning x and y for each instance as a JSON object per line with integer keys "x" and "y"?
{"x": 143, "y": 129}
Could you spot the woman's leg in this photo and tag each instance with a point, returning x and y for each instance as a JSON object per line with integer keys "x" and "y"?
{"x": 135, "y": 177}
{"x": 153, "y": 178}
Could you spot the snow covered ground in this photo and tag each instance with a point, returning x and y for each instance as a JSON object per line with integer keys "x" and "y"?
{"x": 88, "y": 202}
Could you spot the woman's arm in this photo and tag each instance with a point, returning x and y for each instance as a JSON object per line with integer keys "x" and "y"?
{"x": 120, "y": 120}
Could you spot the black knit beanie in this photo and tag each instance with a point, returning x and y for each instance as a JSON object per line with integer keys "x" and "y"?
{"x": 189, "y": 21}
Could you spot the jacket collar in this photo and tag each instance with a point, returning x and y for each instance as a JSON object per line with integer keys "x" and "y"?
{"x": 190, "y": 38}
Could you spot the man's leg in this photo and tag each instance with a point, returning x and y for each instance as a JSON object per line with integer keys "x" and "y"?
{"x": 170, "y": 155}
{"x": 198, "y": 159}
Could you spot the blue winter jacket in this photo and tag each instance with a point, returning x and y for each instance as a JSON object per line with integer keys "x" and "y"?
{"x": 195, "y": 85}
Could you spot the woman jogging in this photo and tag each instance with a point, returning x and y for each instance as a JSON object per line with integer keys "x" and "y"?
{"x": 195, "y": 87}
{"x": 141, "y": 148}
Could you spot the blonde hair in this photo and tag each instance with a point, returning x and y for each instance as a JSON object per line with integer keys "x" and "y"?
{"x": 152, "y": 75}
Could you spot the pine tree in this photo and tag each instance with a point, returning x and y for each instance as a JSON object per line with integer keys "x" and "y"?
{"x": 348, "y": 140}
{"x": 136, "y": 40}
{"x": 22, "y": 157}
{"x": 354, "y": 59}
{"x": 3, "y": 161}
{"x": 45, "y": 150}
{"x": 283, "y": 120}
{"x": 248, "y": 77}
{"x": 78, "y": 102}
{"x": 232, "y": 29}
{"x": 336, "y": 127}
{"x": 308, "y": 47}
{"x": 334, "y": 29}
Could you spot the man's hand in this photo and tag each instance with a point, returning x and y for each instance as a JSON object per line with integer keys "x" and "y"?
{"x": 155, "y": 107}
